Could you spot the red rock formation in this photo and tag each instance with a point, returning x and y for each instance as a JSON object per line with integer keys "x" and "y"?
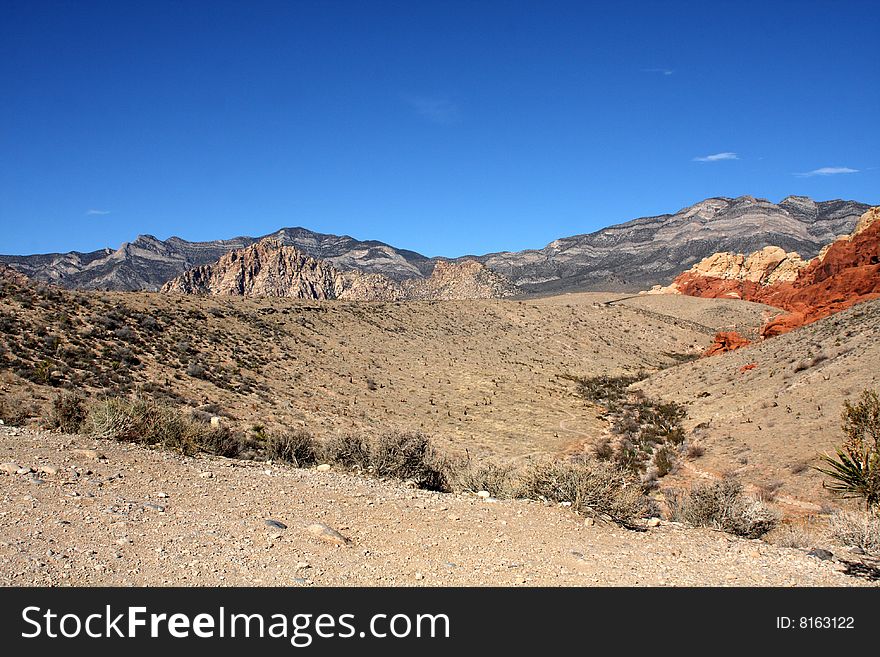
{"x": 847, "y": 272}
{"x": 726, "y": 341}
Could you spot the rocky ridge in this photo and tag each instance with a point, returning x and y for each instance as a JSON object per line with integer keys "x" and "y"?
{"x": 846, "y": 272}
{"x": 271, "y": 269}
{"x": 623, "y": 257}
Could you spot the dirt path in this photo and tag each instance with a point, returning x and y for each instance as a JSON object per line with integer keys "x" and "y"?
{"x": 139, "y": 516}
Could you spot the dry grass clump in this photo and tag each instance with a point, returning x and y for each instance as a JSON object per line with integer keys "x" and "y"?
{"x": 348, "y": 450}
{"x": 857, "y": 529}
{"x": 467, "y": 475}
{"x": 592, "y": 487}
{"x": 408, "y": 456}
{"x": 298, "y": 448}
{"x": 798, "y": 533}
{"x": 147, "y": 422}
{"x": 722, "y": 505}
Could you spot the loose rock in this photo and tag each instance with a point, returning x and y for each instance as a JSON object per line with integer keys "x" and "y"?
{"x": 327, "y": 534}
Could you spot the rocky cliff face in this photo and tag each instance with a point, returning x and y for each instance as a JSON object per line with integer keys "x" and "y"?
{"x": 846, "y": 272}
{"x": 264, "y": 269}
{"x": 271, "y": 269}
{"x": 627, "y": 257}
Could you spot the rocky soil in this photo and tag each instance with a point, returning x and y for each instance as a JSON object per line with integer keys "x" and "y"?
{"x": 82, "y": 512}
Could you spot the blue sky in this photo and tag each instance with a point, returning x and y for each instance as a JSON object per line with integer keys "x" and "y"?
{"x": 447, "y": 127}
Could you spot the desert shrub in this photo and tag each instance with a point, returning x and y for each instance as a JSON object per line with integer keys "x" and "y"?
{"x": 408, "y": 456}
{"x": 665, "y": 460}
{"x": 220, "y": 441}
{"x": 145, "y": 422}
{"x": 793, "y": 534}
{"x": 857, "y": 529}
{"x": 348, "y": 450}
{"x": 855, "y": 470}
{"x": 299, "y": 448}
{"x": 592, "y": 487}
{"x": 468, "y": 475}
{"x": 722, "y": 505}
{"x": 68, "y": 412}
{"x": 14, "y": 412}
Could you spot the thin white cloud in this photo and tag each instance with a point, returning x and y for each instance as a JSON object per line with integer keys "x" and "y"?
{"x": 91, "y": 213}
{"x": 827, "y": 171}
{"x": 717, "y": 157}
{"x": 436, "y": 110}
{"x": 661, "y": 71}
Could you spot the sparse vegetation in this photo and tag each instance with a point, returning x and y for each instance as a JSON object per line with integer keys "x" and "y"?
{"x": 647, "y": 435}
{"x": 592, "y": 487}
{"x": 68, "y": 412}
{"x": 408, "y": 456}
{"x": 298, "y": 448}
{"x": 722, "y": 505}
{"x": 855, "y": 471}
{"x": 857, "y": 529}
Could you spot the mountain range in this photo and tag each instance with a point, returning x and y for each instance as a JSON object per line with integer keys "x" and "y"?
{"x": 624, "y": 257}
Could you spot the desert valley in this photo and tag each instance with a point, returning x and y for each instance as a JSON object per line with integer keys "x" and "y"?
{"x": 646, "y": 404}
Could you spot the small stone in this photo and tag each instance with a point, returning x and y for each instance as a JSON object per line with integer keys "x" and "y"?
{"x": 162, "y": 495}
{"x": 9, "y": 468}
{"x": 452, "y": 516}
{"x": 276, "y": 524}
{"x": 819, "y": 553}
{"x": 653, "y": 522}
{"x": 50, "y": 470}
{"x": 326, "y": 534}
{"x": 89, "y": 454}
{"x": 419, "y": 576}
{"x": 565, "y": 504}
{"x": 24, "y": 470}
{"x": 483, "y": 494}
{"x": 302, "y": 565}
{"x": 216, "y": 420}
{"x": 155, "y": 507}
{"x": 324, "y": 467}
{"x": 206, "y": 475}
{"x": 589, "y": 522}
{"x": 857, "y": 550}
{"x": 275, "y": 536}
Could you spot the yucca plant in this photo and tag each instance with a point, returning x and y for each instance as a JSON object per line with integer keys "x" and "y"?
{"x": 855, "y": 470}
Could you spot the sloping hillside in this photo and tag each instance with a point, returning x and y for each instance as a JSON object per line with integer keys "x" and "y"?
{"x": 765, "y": 411}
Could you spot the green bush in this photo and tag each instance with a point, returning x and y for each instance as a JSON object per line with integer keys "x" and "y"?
{"x": 855, "y": 470}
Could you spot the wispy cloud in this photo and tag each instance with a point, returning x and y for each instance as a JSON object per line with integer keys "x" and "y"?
{"x": 101, "y": 213}
{"x": 661, "y": 71}
{"x": 827, "y": 171}
{"x": 717, "y": 157}
{"x": 436, "y": 110}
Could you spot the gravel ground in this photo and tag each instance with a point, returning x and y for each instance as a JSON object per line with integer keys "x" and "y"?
{"x": 78, "y": 511}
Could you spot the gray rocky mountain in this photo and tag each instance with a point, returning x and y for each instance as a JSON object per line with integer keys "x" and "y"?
{"x": 651, "y": 250}
{"x": 270, "y": 269}
{"x": 626, "y": 257}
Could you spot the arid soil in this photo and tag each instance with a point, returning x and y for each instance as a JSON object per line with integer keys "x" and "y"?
{"x": 123, "y": 515}
{"x": 764, "y": 412}
{"x": 486, "y": 376}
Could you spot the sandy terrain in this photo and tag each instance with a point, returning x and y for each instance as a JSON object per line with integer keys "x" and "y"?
{"x": 140, "y": 516}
